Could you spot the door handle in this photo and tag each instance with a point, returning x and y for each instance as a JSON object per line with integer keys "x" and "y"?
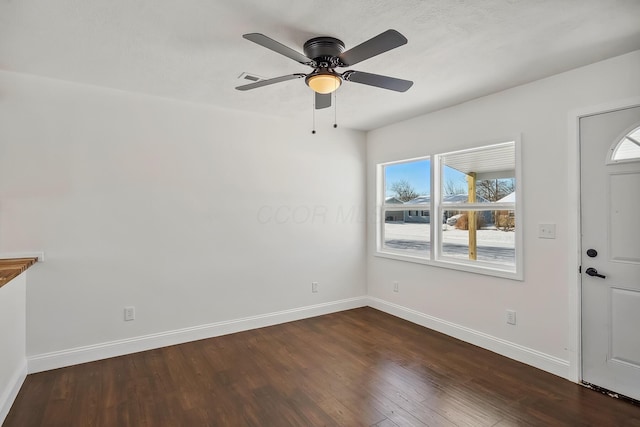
{"x": 594, "y": 273}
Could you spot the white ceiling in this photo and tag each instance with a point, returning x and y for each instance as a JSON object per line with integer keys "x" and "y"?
{"x": 193, "y": 50}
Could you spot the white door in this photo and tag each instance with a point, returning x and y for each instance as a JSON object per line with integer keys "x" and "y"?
{"x": 610, "y": 209}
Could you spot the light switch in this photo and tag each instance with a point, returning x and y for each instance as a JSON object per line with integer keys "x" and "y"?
{"x": 546, "y": 231}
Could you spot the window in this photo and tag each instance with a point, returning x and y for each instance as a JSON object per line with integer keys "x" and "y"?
{"x": 406, "y": 207}
{"x": 628, "y": 148}
{"x": 474, "y": 209}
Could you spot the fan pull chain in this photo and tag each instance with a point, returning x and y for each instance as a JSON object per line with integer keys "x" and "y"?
{"x": 313, "y": 131}
{"x": 335, "y": 109}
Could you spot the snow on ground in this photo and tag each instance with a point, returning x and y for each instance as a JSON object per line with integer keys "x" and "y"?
{"x": 493, "y": 245}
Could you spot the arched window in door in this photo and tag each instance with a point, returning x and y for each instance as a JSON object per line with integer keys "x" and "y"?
{"x": 628, "y": 148}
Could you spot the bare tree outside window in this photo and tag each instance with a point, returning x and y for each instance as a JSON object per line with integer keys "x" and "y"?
{"x": 452, "y": 187}
{"x": 495, "y": 189}
{"x": 403, "y": 190}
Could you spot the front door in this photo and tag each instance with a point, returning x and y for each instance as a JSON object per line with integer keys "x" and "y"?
{"x": 610, "y": 221}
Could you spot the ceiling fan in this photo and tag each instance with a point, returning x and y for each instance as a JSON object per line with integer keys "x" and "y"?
{"x": 324, "y": 55}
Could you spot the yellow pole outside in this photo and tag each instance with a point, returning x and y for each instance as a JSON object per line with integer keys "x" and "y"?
{"x": 471, "y": 215}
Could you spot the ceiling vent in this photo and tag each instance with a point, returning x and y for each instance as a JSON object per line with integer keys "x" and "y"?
{"x": 250, "y": 77}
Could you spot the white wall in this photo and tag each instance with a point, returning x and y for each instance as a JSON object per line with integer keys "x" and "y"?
{"x": 184, "y": 211}
{"x": 193, "y": 215}
{"x": 13, "y": 365}
{"x": 473, "y": 306}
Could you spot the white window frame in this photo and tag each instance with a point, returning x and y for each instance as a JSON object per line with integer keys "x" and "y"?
{"x": 384, "y": 207}
{"x": 613, "y": 151}
{"x": 436, "y": 208}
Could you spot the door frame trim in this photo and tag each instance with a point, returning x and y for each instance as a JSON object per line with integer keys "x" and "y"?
{"x": 573, "y": 276}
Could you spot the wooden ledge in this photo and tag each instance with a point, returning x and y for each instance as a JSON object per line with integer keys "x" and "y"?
{"x": 11, "y": 268}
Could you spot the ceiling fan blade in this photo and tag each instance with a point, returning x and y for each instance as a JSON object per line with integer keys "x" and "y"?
{"x": 323, "y": 100}
{"x": 381, "y": 43}
{"x": 270, "y": 81}
{"x": 377, "y": 80}
{"x": 278, "y": 47}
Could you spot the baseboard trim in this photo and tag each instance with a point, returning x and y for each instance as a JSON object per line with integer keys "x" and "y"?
{"x": 537, "y": 359}
{"x": 10, "y": 393}
{"x": 74, "y": 356}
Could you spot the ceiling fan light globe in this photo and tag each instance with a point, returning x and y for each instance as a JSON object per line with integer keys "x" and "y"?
{"x": 324, "y": 83}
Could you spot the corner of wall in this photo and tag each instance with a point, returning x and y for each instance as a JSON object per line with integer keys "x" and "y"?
{"x": 500, "y": 346}
{"x": 9, "y": 394}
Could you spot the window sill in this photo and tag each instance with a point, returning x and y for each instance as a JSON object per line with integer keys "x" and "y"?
{"x": 485, "y": 269}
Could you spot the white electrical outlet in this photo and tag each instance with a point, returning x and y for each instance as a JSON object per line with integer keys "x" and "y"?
{"x": 314, "y": 287}
{"x": 511, "y": 317}
{"x": 395, "y": 287}
{"x": 129, "y": 313}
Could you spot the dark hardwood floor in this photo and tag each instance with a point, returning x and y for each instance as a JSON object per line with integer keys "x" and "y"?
{"x": 355, "y": 368}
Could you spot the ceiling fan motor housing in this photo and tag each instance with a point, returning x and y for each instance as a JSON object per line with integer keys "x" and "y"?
{"x": 324, "y": 51}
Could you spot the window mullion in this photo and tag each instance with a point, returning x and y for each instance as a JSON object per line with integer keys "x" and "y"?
{"x": 478, "y": 206}
{"x": 436, "y": 177}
